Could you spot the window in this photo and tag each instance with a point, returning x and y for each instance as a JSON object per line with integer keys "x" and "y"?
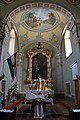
{"x": 68, "y": 47}
{"x": 12, "y": 42}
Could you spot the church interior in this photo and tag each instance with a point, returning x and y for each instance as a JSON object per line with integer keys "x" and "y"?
{"x": 40, "y": 55}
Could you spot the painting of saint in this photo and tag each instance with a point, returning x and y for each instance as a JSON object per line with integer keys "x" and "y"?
{"x": 39, "y": 66}
{"x": 40, "y": 19}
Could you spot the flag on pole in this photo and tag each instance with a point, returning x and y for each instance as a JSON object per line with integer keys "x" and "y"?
{"x": 12, "y": 65}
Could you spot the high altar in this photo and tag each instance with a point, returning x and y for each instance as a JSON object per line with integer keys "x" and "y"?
{"x": 39, "y": 84}
{"x": 39, "y": 69}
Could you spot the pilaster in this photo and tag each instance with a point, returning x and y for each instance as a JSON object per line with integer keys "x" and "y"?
{"x": 59, "y": 72}
{"x": 2, "y": 36}
{"x": 19, "y": 70}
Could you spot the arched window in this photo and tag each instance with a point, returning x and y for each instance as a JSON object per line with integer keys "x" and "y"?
{"x": 68, "y": 47}
{"x": 12, "y": 42}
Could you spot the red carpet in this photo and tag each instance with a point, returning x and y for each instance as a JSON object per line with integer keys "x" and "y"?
{"x": 66, "y": 105}
{"x": 15, "y": 104}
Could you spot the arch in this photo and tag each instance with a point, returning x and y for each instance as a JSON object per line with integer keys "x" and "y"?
{"x": 43, "y": 5}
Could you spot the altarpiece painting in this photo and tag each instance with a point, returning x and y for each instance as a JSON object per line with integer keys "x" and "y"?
{"x": 39, "y": 66}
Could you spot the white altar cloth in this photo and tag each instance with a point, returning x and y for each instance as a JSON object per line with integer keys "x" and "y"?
{"x": 33, "y": 94}
{"x": 38, "y": 111}
{"x": 38, "y": 108}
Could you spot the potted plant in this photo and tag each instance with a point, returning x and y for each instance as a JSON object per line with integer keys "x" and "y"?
{"x": 12, "y": 92}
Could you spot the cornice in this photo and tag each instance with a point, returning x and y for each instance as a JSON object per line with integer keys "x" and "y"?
{"x": 9, "y": 5}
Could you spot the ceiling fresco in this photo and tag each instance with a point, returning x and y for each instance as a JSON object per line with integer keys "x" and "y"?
{"x": 40, "y": 19}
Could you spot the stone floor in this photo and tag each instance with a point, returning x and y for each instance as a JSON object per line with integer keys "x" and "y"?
{"x": 53, "y": 112}
{"x": 57, "y": 111}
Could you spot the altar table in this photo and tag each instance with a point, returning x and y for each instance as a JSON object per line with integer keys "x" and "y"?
{"x": 38, "y": 111}
{"x": 39, "y": 108}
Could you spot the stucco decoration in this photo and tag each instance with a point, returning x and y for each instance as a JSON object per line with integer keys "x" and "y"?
{"x": 40, "y": 19}
{"x": 34, "y": 50}
{"x": 74, "y": 1}
{"x": 8, "y": 1}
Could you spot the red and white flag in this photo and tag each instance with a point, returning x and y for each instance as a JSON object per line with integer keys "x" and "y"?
{"x": 12, "y": 65}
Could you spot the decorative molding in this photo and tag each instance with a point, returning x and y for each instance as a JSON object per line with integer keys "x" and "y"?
{"x": 55, "y": 7}
{"x": 8, "y": 1}
{"x": 2, "y": 27}
{"x": 30, "y": 64}
{"x": 74, "y": 2}
{"x": 35, "y": 51}
{"x": 55, "y": 41}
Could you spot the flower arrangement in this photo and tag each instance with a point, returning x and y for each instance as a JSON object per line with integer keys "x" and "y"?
{"x": 50, "y": 95}
{"x": 38, "y": 101}
{"x": 13, "y": 91}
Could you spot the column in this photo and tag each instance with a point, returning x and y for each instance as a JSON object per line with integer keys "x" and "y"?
{"x": 30, "y": 67}
{"x": 59, "y": 72}
{"x": 19, "y": 70}
{"x": 2, "y": 36}
{"x": 77, "y": 24}
{"x": 48, "y": 67}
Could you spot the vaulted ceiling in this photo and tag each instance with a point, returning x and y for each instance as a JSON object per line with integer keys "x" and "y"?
{"x": 40, "y": 20}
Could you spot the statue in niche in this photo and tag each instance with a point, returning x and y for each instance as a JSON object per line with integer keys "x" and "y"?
{"x": 39, "y": 66}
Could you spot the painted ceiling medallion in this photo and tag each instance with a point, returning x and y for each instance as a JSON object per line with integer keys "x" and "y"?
{"x": 40, "y": 19}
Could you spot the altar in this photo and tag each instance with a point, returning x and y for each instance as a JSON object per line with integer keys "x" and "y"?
{"x": 35, "y": 87}
{"x": 31, "y": 94}
{"x": 40, "y": 84}
{"x": 38, "y": 100}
